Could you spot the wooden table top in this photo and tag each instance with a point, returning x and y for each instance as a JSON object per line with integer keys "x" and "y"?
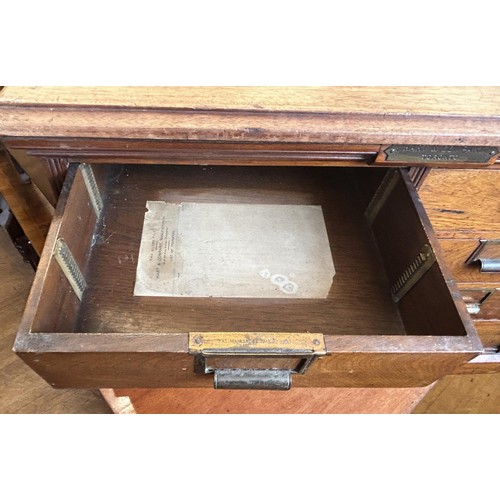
{"x": 361, "y": 115}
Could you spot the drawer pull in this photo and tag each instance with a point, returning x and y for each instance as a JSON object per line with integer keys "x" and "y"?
{"x": 258, "y": 360}
{"x": 271, "y": 380}
{"x": 488, "y": 256}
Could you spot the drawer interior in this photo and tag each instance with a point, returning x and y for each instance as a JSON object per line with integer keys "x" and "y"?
{"x": 370, "y": 250}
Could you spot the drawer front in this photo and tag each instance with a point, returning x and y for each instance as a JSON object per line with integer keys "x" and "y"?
{"x": 458, "y": 254}
{"x": 489, "y": 333}
{"x": 462, "y": 200}
{"x": 482, "y": 303}
{"x": 392, "y": 317}
{"x": 464, "y": 207}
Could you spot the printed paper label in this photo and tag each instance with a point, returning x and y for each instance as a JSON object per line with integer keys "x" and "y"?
{"x": 234, "y": 250}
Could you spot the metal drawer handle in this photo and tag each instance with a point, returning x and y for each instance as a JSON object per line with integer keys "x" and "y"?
{"x": 488, "y": 256}
{"x": 254, "y": 360}
{"x": 274, "y": 380}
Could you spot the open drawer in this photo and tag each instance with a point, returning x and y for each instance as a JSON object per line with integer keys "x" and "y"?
{"x": 392, "y": 315}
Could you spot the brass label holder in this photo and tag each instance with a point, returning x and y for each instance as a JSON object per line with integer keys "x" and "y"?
{"x": 254, "y": 360}
{"x": 426, "y": 154}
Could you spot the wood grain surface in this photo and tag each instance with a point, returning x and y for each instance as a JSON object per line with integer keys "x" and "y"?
{"x": 31, "y": 209}
{"x": 310, "y": 401}
{"x": 356, "y": 115}
{"x": 466, "y": 101}
{"x": 489, "y": 333}
{"x": 463, "y": 203}
{"x": 293, "y": 115}
{"x": 21, "y": 389}
{"x": 456, "y": 252}
{"x": 142, "y": 341}
{"x": 192, "y": 153}
{"x": 113, "y": 263}
{"x": 40, "y": 174}
{"x": 490, "y": 308}
{"x": 454, "y": 394}
{"x": 463, "y": 394}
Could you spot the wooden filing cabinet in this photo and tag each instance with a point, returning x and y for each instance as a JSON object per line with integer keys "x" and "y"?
{"x": 395, "y": 315}
{"x": 464, "y": 207}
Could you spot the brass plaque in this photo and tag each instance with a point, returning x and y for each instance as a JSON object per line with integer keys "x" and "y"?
{"x": 252, "y": 343}
{"x": 415, "y": 153}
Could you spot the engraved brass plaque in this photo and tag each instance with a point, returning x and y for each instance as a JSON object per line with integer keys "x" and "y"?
{"x": 250, "y": 355}
{"x": 257, "y": 342}
{"x": 415, "y": 153}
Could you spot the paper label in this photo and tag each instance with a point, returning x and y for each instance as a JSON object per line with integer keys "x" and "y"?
{"x": 234, "y": 250}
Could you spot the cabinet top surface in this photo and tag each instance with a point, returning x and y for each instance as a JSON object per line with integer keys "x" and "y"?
{"x": 433, "y": 115}
{"x": 464, "y": 101}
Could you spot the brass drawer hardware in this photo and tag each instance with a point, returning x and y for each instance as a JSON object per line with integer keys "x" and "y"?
{"x": 418, "y": 153}
{"x": 488, "y": 256}
{"x": 69, "y": 267}
{"x": 412, "y": 274}
{"x": 254, "y": 360}
{"x": 91, "y": 184}
{"x": 383, "y": 192}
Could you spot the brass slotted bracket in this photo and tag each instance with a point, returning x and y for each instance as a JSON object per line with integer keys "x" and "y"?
{"x": 69, "y": 267}
{"x": 413, "y": 273}
{"x": 254, "y": 360}
{"x": 383, "y": 192}
{"x": 93, "y": 190}
{"x": 488, "y": 256}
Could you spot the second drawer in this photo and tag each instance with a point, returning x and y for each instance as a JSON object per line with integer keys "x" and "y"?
{"x": 457, "y": 253}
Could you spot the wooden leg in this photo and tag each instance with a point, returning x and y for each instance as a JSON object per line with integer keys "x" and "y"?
{"x": 31, "y": 209}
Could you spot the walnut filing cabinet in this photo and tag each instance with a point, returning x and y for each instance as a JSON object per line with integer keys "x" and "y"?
{"x": 407, "y": 181}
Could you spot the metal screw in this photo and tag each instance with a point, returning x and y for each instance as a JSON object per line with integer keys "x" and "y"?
{"x": 316, "y": 342}
{"x": 198, "y": 340}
